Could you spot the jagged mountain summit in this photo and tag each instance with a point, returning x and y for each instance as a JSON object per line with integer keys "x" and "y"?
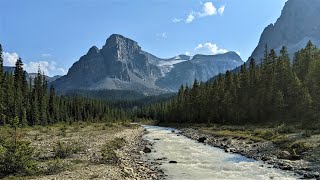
{"x": 121, "y": 64}
{"x": 298, "y": 23}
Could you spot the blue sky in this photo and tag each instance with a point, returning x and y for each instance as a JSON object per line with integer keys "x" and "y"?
{"x": 57, "y": 33}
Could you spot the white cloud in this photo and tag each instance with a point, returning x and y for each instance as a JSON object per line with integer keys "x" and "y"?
{"x": 10, "y": 59}
{"x": 238, "y": 53}
{"x": 187, "y": 53}
{"x": 221, "y": 10}
{"x": 190, "y": 17}
{"x": 46, "y": 55}
{"x": 162, "y": 35}
{"x": 208, "y": 9}
{"x": 209, "y": 48}
{"x": 176, "y": 20}
{"x": 48, "y": 67}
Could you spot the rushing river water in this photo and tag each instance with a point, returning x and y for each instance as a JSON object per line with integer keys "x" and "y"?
{"x": 198, "y": 161}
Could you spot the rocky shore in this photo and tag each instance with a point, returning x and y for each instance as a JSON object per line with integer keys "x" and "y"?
{"x": 258, "y": 150}
{"x": 131, "y": 162}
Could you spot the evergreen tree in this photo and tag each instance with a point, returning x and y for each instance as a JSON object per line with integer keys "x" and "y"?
{"x": 2, "y": 106}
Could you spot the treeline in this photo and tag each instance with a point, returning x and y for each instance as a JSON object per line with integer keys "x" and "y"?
{"x": 33, "y": 104}
{"x": 124, "y": 99}
{"x": 275, "y": 91}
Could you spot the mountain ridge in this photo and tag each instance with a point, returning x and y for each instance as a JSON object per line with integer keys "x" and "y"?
{"x": 297, "y": 24}
{"x": 121, "y": 64}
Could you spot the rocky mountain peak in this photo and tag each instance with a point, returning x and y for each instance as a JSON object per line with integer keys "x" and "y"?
{"x": 120, "y": 42}
{"x": 93, "y": 50}
{"x": 297, "y": 24}
{"x": 123, "y": 48}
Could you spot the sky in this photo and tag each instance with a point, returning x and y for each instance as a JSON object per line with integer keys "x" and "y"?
{"x": 55, "y": 34}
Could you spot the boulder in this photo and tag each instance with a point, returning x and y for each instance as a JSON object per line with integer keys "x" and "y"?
{"x": 146, "y": 150}
{"x": 284, "y": 155}
{"x": 202, "y": 139}
{"x": 173, "y": 162}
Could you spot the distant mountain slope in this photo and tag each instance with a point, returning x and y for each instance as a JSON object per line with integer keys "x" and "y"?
{"x": 121, "y": 64}
{"x": 298, "y": 23}
{"x": 200, "y": 67}
{"x": 10, "y": 69}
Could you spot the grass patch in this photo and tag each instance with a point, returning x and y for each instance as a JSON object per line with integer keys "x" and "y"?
{"x": 108, "y": 151}
{"x": 64, "y": 150}
{"x": 235, "y": 133}
{"x": 55, "y": 166}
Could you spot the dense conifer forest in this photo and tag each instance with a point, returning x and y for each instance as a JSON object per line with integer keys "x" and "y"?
{"x": 33, "y": 103}
{"x": 274, "y": 91}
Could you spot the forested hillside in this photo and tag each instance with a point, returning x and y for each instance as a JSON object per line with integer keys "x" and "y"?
{"x": 33, "y": 104}
{"x": 274, "y": 91}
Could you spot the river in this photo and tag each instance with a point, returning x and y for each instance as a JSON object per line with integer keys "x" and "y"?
{"x": 199, "y": 161}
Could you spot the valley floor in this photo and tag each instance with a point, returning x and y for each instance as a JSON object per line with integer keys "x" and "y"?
{"x": 89, "y": 151}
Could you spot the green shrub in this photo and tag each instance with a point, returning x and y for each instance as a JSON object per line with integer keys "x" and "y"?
{"x": 16, "y": 158}
{"x": 283, "y": 128}
{"x": 298, "y": 147}
{"x": 108, "y": 151}
{"x": 63, "y": 150}
{"x": 55, "y": 166}
{"x": 63, "y": 131}
{"x": 307, "y": 133}
{"x": 267, "y": 134}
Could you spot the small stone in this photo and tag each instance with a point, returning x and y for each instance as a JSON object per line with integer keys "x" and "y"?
{"x": 173, "y": 162}
{"x": 147, "y": 150}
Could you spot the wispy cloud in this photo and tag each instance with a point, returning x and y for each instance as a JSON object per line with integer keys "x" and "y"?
{"x": 177, "y": 20}
{"x": 49, "y": 68}
{"x": 208, "y": 9}
{"x": 221, "y": 10}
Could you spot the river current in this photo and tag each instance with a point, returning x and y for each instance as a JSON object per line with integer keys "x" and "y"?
{"x": 199, "y": 161}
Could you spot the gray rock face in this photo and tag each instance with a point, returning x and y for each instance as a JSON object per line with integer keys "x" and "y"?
{"x": 121, "y": 64}
{"x": 298, "y": 23}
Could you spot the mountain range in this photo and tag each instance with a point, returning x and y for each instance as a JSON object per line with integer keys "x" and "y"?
{"x": 121, "y": 64}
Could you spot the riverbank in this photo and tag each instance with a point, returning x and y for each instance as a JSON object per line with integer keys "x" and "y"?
{"x": 284, "y": 149}
{"x": 89, "y": 151}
